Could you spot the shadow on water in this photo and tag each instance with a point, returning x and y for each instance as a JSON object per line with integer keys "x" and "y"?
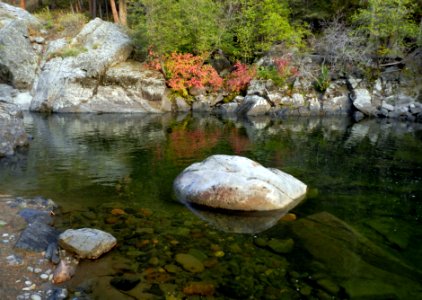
{"x": 358, "y": 235}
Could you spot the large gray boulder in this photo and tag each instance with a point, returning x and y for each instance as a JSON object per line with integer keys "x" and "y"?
{"x": 12, "y": 130}
{"x": 253, "y": 105}
{"x": 87, "y": 242}
{"x": 18, "y": 60}
{"x": 362, "y": 100}
{"x": 71, "y": 83}
{"x": 237, "y": 183}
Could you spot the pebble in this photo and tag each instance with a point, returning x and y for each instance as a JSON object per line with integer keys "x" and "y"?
{"x": 44, "y": 276}
{"x": 30, "y": 269}
{"x": 5, "y": 235}
{"x": 37, "y": 270}
{"x": 13, "y": 260}
{"x": 2, "y": 223}
{"x": 36, "y": 297}
{"x": 48, "y": 272}
{"x": 28, "y": 283}
{"x": 29, "y": 288}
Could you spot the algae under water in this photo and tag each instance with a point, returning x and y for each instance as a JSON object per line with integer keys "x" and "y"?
{"x": 358, "y": 235}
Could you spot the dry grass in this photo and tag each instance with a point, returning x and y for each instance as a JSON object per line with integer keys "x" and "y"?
{"x": 61, "y": 24}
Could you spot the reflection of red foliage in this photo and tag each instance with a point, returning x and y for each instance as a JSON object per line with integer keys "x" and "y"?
{"x": 184, "y": 143}
{"x": 238, "y": 142}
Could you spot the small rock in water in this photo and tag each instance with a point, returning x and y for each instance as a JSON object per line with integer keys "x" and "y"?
{"x": 118, "y": 212}
{"x": 37, "y": 270}
{"x": 57, "y": 294}
{"x": 199, "y": 288}
{"x": 5, "y": 235}
{"x": 125, "y": 282}
{"x": 281, "y": 246}
{"x": 28, "y": 283}
{"x": 2, "y": 223}
{"x": 87, "y": 242}
{"x": 190, "y": 263}
{"x": 65, "y": 270}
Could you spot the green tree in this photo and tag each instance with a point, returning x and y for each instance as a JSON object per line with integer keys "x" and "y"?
{"x": 257, "y": 25}
{"x": 389, "y": 26}
{"x": 184, "y": 25}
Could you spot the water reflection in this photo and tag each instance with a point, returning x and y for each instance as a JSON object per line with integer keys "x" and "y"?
{"x": 364, "y": 179}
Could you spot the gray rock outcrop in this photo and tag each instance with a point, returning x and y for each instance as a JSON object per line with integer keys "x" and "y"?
{"x": 70, "y": 83}
{"x": 18, "y": 59}
{"x": 237, "y": 183}
{"x": 87, "y": 242}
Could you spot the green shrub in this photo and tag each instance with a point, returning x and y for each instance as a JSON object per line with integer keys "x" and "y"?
{"x": 322, "y": 82}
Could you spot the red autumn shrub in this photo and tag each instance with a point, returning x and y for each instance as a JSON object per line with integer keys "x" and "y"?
{"x": 238, "y": 80}
{"x": 284, "y": 68}
{"x": 185, "y": 71}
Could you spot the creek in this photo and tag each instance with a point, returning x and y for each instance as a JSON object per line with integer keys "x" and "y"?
{"x": 358, "y": 234}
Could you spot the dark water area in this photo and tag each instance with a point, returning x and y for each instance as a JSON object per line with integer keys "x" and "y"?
{"x": 357, "y": 235}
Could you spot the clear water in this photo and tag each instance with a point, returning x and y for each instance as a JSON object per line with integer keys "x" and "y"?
{"x": 358, "y": 235}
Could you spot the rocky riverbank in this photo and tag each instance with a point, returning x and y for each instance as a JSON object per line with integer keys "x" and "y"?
{"x": 32, "y": 263}
{"x": 92, "y": 72}
{"x": 25, "y": 274}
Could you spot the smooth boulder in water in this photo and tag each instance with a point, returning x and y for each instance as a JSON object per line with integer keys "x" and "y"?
{"x": 238, "y": 183}
{"x": 87, "y": 242}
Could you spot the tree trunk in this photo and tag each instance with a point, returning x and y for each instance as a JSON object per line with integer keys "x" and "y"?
{"x": 123, "y": 12}
{"x": 23, "y": 4}
{"x": 114, "y": 11}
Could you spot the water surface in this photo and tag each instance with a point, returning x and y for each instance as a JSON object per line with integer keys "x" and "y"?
{"x": 357, "y": 235}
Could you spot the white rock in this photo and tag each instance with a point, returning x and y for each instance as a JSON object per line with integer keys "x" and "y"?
{"x": 87, "y": 242}
{"x": 237, "y": 183}
{"x": 36, "y": 297}
{"x": 44, "y": 276}
{"x": 363, "y": 101}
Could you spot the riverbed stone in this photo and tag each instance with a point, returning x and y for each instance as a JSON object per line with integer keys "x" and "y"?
{"x": 189, "y": 263}
{"x": 125, "y": 282}
{"x": 87, "y": 242}
{"x": 281, "y": 246}
{"x": 238, "y": 183}
{"x": 359, "y": 266}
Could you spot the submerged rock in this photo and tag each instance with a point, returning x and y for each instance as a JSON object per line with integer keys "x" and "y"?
{"x": 65, "y": 270}
{"x": 125, "y": 282}
{"x": 190, "y": 263}
{"x": 363, "y": 269}
{"x": 239, "y": 221}
{"x": 238, "y": 183}
{"x": 87, "y": 242}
